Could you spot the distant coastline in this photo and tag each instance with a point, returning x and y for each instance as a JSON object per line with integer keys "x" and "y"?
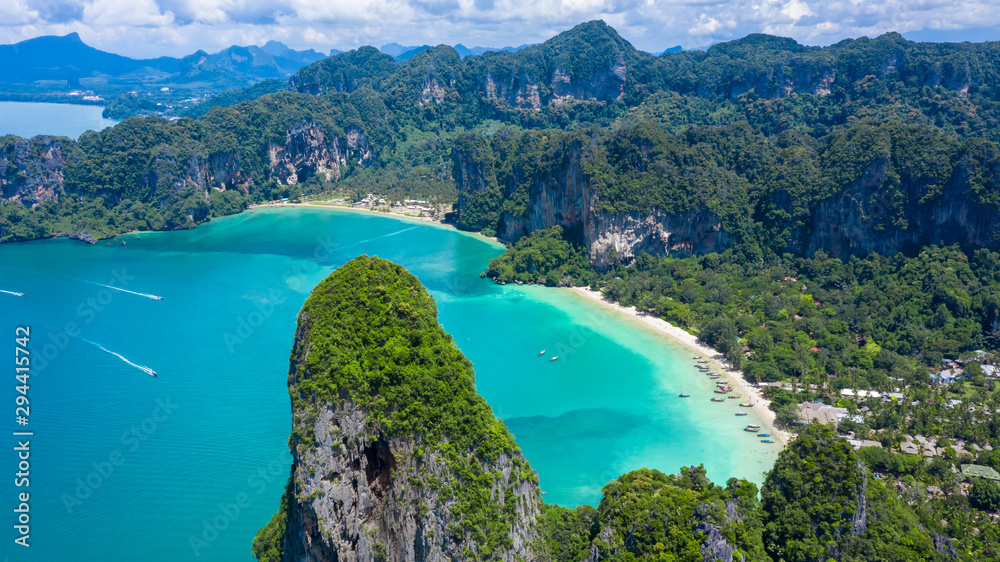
{"x": 62, "y": 99}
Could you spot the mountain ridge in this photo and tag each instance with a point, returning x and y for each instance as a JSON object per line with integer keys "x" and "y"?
{"x": 32, "y": 60}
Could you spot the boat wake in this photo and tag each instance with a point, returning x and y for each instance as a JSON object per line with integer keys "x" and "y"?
{"x": 142, "y": 368}
{"x": 385, "y": 236}
{"x": 12, "y": 293}
{"x": 148, "y": 296}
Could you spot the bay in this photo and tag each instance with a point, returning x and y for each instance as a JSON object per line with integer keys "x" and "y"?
{"x": 129, "y": 466}
{"x": 27, "y": 119}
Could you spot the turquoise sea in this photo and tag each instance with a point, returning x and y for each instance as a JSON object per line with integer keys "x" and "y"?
{"x": 27, "y": 119}
{"x": 189, "y": 464}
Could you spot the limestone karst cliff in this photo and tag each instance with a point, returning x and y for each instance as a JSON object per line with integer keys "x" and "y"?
{"x": 31, "y": 171}
{"x": 34, "y": 170}
{"x": 544, "y": 75}
{"x": 635, "y": 189}
{"x": 395, "y": 455}
{"x": 528, "y": 184}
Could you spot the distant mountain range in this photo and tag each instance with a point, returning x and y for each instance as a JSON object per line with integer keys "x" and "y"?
{"x": 401, "y": 53}
{"x": 68, "y": 58}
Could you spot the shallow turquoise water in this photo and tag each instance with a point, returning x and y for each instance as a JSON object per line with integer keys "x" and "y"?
{"x": 27, "y": 119}
{"x": 128, "y": 466}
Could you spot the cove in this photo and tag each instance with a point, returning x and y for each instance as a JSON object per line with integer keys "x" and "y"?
{"x": 190, "y": 463}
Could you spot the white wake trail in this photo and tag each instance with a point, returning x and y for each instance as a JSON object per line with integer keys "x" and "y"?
{"x": 12, "y": 293}
{"x": 142, "y": 368}
{"x": 148, "y": 296}
{"x": 384, "y": 236}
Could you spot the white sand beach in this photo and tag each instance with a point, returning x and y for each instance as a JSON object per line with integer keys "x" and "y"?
{"x": 718, "y": 362}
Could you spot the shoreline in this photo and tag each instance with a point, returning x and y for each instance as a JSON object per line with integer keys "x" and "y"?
{"x": 390, "y": 214}
{"x": 716, "y": 360}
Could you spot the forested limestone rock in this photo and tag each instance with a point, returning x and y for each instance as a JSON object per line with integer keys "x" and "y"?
{"x": 395, "y": 455}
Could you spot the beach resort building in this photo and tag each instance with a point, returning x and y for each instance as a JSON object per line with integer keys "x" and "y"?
{"x": 980, "y": 471}
{"x": 822, "y": 413}
{"x": 858, "y": 443}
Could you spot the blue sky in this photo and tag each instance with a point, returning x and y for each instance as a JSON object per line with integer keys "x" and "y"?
{"x": 144, "y": 28}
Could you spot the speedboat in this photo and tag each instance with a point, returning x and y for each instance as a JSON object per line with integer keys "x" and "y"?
{"x": 746, "y": 405}
{"x": 767, "y": 440}
{"x": 554, "y": 357}
{"x": 152, "y": 372}
{"x": 750, "y": 429}
{"x": 718, "y": 400}
{"x": 754, "y": 426}
{"x": 683, "y": 395}
{"x": 158, "y": 298}
{"x": 741, "y": 413}
{"x": 540, "y": 353}
{"x": 763, "y": 435}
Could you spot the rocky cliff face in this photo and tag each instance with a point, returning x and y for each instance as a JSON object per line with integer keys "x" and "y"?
{"x": 605, "y": 84}
{"x": 569, "y": 198}
{"x": 867, "y": 217}
{"x": 169, "y": 173}
{"x": 883, "y": 203}
{"x": 625, "y": 235}
{"x": 31, "y": 171}
{"x": 783, "y": 79}
{"x": 378, "y": 479}
{"x": 363, "y": 496}
{"x": 518, "y": 90}
{"x": 307, "y": 151}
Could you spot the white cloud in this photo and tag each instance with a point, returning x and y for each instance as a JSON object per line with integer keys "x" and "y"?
{"x": 177, "y": 27}
{"x": 130, "y": 13}
{"x": 796, "y": 9}
{"x": 706, "y": 26}
{"x": 16, "y": 13}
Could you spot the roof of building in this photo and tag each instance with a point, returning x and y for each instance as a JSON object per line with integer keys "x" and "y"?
{"x": 980, "y": 471}
{"x": 820, "y": 412}
{"x": 858, "y": 443}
